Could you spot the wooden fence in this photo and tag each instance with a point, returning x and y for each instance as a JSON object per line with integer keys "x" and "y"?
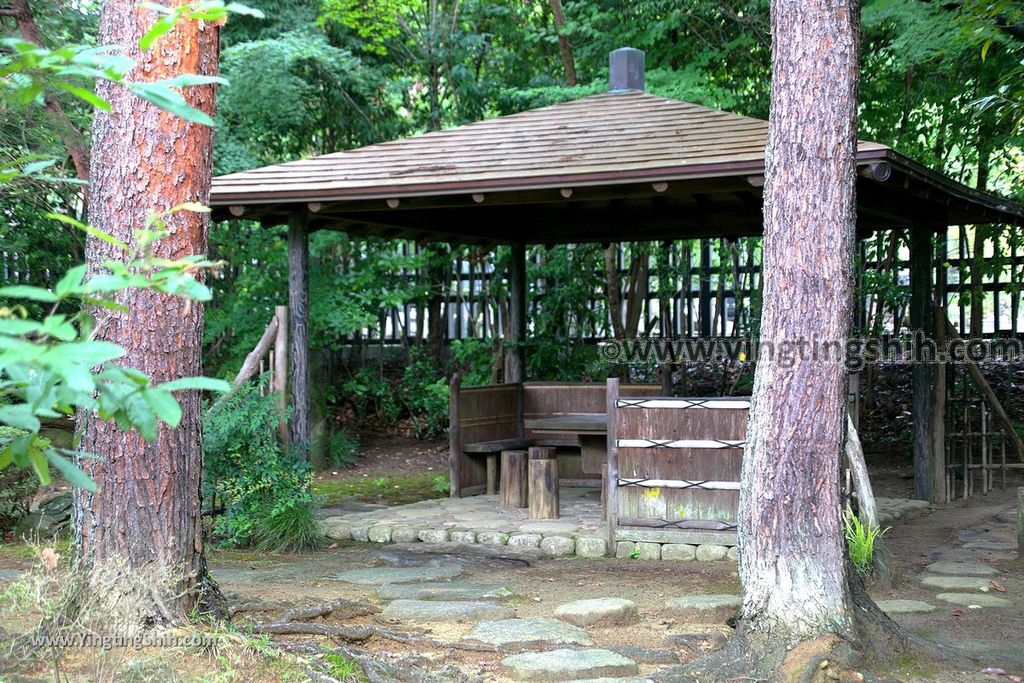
{"x": 674, "y": 467}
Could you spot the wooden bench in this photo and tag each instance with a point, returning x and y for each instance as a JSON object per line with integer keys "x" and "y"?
{"x": 486, "y": 420}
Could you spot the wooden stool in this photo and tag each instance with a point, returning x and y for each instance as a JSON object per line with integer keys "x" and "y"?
{"x": 513, "y": 479}
{"x": 543, "y": 483}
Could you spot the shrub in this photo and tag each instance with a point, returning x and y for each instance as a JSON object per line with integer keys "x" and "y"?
{"x": 371, "y": 396}
{"x": 425, "y": 393}
{"x": 17, "y": 488}
{"x": 343, "y": 448}
{"x": 265, "y": 492}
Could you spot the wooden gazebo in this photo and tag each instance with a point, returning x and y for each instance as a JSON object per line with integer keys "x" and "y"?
{"x": 625, "y": 165}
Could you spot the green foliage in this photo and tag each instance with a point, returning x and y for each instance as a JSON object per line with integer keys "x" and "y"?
{"x": 265, "y": 492}
{"x": 17, "y": 488}
{"x": 56, "y": 365}
{"x": 343, "y": 448}
{"x": 371, "y": 396}
{"x": 862, "y": 542}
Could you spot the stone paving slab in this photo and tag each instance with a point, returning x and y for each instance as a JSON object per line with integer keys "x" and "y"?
{"x": 905, "y": 607}
{"x": 955, "y": 582}
{"x": 948, "y": 568}
{"x": 703, "y": 609}
{"x": 456, "y": 611}
{"x": 378, "y": 576}
{"x": 450, "y": 590}
{"x": 970, "y": 599}
{"x": 599, "y": 612}
{"x": 568, "y": 665}
{"x": 529, "y": 632}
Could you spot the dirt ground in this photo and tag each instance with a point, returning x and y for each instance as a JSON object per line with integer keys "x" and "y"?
{"x": 271, "y": 583}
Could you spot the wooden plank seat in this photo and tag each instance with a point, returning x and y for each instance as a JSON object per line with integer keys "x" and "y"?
{"x": 520, "y": 443}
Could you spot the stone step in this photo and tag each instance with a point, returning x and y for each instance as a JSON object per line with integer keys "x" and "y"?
{"x": 905, "y": 606}
{"x": 703, "y": 609}
{"x": 972, "y": 599}
{"x": 599, "y": 612}
{"x": 949, "y": 568}
{"x": 567, "y": 665}
{"x": 444, "y": 590}
{"x": 378, "y": 576}
{"x": 455, "y": 611}
{"x": 955, "y": 582}
{"x": 528, "y": 632}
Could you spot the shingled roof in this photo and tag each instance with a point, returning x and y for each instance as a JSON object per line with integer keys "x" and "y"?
{"x": 619, "y": 165}
{"x": 608, "y": 138}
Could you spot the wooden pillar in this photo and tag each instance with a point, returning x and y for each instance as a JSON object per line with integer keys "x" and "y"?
{"x": 513, "y": 479}
{"x": 281, "y": 367}
{"x": 704, "y": 295}
{"x": 454, "y": 439}
{"x": 543, "y": 489}
{"x": 611, "y": 497}
{"x": 492, "y": 474}
{"x": 922, "y": 326}
{"x": 298, "y": 328}
{"x": 517, "y": 314}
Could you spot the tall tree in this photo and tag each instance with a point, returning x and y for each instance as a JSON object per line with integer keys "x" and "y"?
{"x": 146, "y": 511}
{"x": 793, "y": 565}
{"x": 792, "y": 558}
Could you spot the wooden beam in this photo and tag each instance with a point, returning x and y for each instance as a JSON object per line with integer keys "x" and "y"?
{"x": 298, "y": 308}
{"x": 923, "y": 328}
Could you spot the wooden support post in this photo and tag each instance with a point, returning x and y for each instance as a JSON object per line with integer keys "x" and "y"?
{"x": 517, "y": 315}
{"x": 923, "y": 369}
{"x": 939, "y": 411}
{"x": 543, "y": 489}
{"x": 513, "y": 480}
{"x": 454, "y": 439}
{"x": 281, "y": 368}
{"x": 298, "y": 304}
{"x": 1020, "y": 523}
{"x": 704, "y": 293}
{"x": 611, "y": 496}
{"x": 492, "y": 474}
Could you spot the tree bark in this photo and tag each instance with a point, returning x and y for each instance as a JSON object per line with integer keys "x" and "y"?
{"x": 146, "y": 510}
{"x": 792, "y": 556}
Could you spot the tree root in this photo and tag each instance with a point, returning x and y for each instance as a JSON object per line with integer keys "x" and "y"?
{"x": 340, "y": 608}
{"x": 757, "y": 656}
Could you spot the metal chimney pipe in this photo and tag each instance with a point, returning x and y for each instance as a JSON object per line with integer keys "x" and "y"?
{"x": 625, "y": 69}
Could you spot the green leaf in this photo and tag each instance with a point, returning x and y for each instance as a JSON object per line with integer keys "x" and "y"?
{"x": 29, "y": 292}
{"x": 189, "y": 80}
{"x": 19, "y": 415}
{"x": 95, "y": 232}
{"x": 84, "y": 94}
{"x": 239, "y": 8}
{"x": 164, "y": 405}
{"x": 88, "y": 353}
{"x": 198, "y": 383}
{"x": 40, "y": 465}
{"x": 161, "y": 27}
{"x": 70, "y": 471}
{"x": 71, "y": 281}
{"x": 166, "y": 98}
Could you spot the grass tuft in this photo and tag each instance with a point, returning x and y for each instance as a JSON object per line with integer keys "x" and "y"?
{"x": 290, "y": 530}
{"x": 862, "y": 542}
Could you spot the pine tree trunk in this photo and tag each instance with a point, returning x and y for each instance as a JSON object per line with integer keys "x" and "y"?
{"x": 792, "y": 559}
{"x": 146, "y": 511}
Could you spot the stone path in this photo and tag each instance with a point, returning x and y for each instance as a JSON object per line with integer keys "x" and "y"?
{"x": 963, "y": 573}
{"x": 428, "y": 586}
{"x": 479, "y": 520}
